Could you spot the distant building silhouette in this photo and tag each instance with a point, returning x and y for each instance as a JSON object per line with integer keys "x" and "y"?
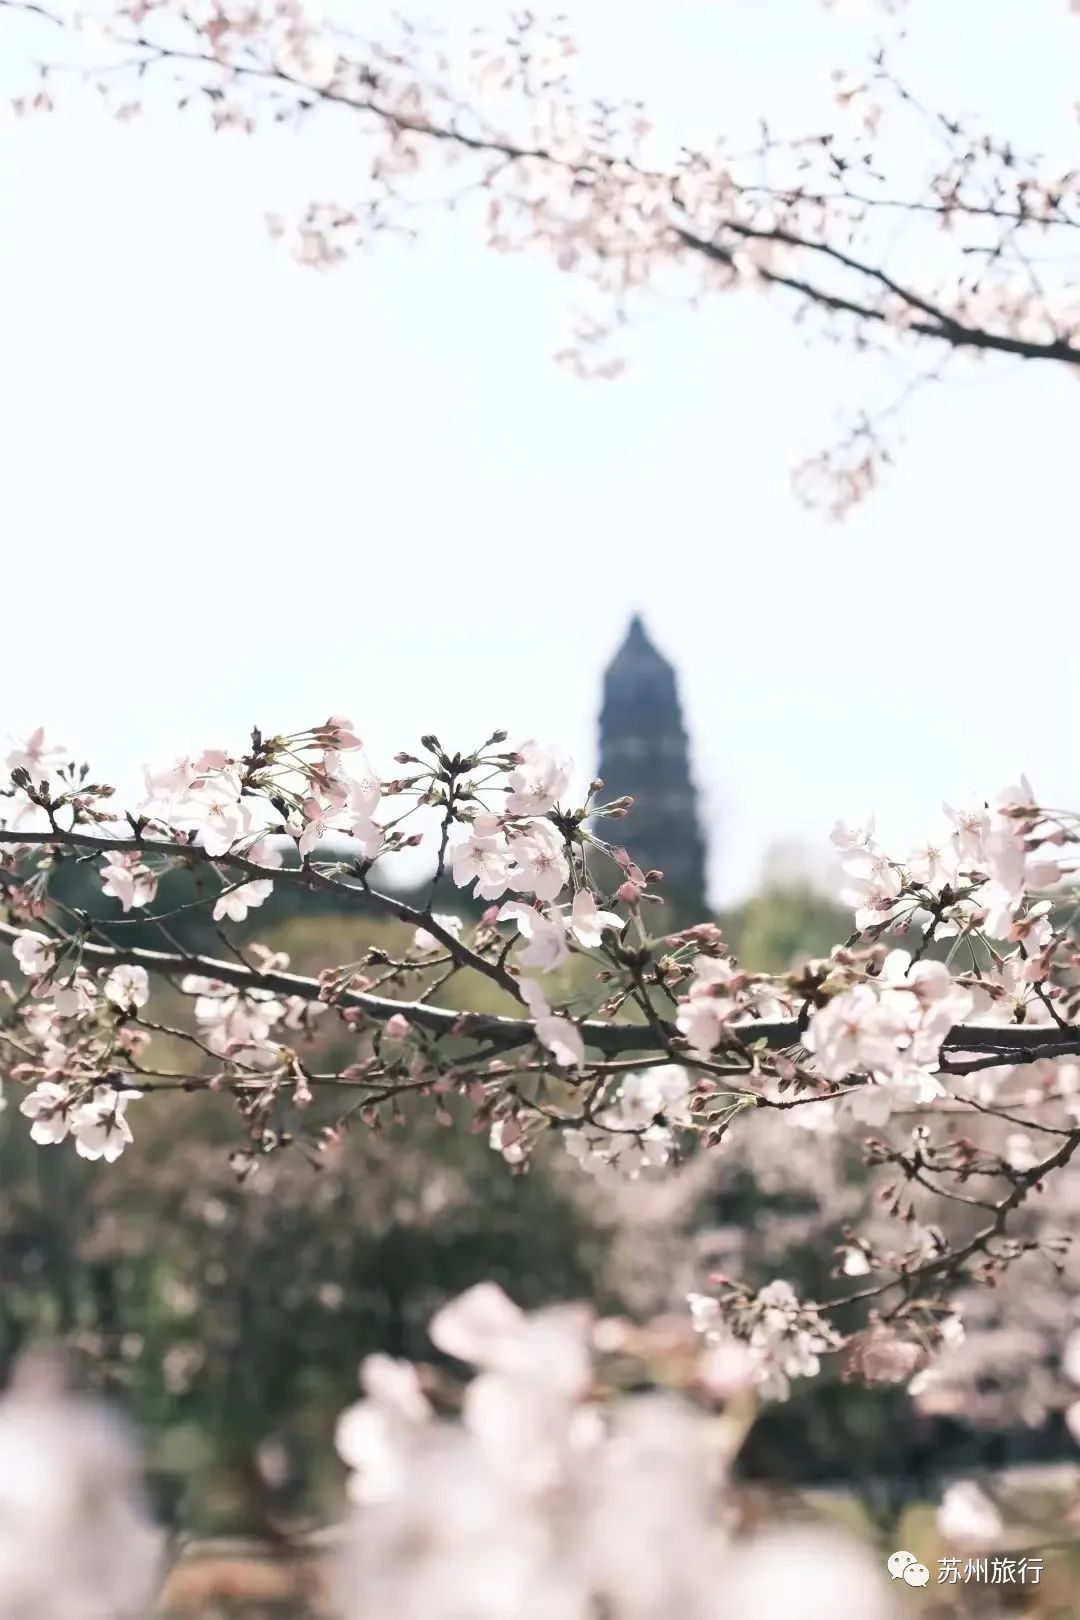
{"x": 643, "y": 752}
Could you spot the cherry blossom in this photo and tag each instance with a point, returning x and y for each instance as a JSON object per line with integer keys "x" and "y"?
{"x": 587, "y": 921}
{"x": 128, "y": 987}
{"x": 425, "y": 943}
{"x": 100, "y": 1126}
{"x": 234, "y": 1021}
{"x": 648, "y": 1093}
{"x": 69, "y": 1479}
{"x": 317, "y": 822}
{"x": 787, "y": 1335}
{"x": 971, "y": 827}
{"x": 534, "y": 1368}
{"x": 728, "y": 1367}
{"x": 850, "y": 838}
{"x": 632, "y": 1129}
{"x": 880, "y": 1354}
{"x": 874, "y": 887}
{"x": 340, "y": 802}
{"x": 547, "y": 946}
{"x": 373, "y": 1437}
{"x": 483, "y": 856}
{"x": 790, "y": 1347}
{"x": 340, "y": 733}
{"x": 669, "y": 1050}
{"x": 967, "y": 1517}
{"x": 558, "y": 1034}
{"x": 35, "y": 954}
{"x": 235, "y": 903}
{"x": 552, "y": 1494}
{"x": 710, "y": 1003}
{"x": 540, "y": 864}
{"x": 485, "y": 1328}
{"x": 48, "y": 1107}
{"x": 214, "y": 811}
{"x": 125, "y": 878}
{"x": 164, "y": 786}
{"x": 167, "y": 790}
{"x": 934, "y": 865}
{"x": 35, "y": 756}
{"x": 891, "y": 1027}
{"x": 540, "y": 780}
{"x": 505, "y": 1138}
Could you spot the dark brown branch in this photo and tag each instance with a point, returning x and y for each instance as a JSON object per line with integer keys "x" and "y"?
{"x": 1014, "y": 1042}
{"x": 932, "y": 321}
{"x": 980, "y": 1242}
{"x": 306, "y": 877}
{"x": 939, "y": 325}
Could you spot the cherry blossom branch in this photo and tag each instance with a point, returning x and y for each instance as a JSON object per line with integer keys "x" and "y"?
{"x": 305, "y": 876}
{"x": 502, "y": 1033}
{"x": 933, "y": 322}
{"x": 867, "y": 1033}
{"x": 952, "y": 1260}
{"x": 1009, "y": 1043}
{"x": 583, "y": 159}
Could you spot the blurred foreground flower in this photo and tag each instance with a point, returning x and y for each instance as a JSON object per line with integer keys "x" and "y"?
{"x": 552, "y": 1496}
{"x": 967, "y": 1516}
{"x": 75, "y": 1539}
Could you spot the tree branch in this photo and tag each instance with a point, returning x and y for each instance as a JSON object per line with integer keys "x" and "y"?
{"x": 937, "y": 325}
{"x": 1014, "y": 1042}
{"x": 305, "y": 877}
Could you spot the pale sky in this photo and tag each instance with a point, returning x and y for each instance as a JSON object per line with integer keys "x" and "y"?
{"x": 236, "y": 491}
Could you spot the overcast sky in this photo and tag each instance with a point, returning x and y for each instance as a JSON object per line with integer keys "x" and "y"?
{"x": 234, "y": 491}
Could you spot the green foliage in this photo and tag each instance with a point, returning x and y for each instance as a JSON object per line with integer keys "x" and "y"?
{"x": 784, "y": 924}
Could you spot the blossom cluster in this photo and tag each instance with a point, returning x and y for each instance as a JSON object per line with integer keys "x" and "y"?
{"x": 889, "y": 1027}
{"x": 720, "y": 997}
{"x": 764, "y": 1339}
{"x": 636, "y": 1129}
{"x": 980, "y": 872}
{"x": 76, "y": 1032}
{"x": 240, "y": 1024}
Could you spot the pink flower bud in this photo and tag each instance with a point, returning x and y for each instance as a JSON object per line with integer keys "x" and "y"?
{"x": 397, "y": 1027}
{"x": 629, "y": 893}
{"x": 342, "y": 733}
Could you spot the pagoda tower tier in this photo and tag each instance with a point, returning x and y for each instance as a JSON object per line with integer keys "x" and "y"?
{"x": 644, "y": 753}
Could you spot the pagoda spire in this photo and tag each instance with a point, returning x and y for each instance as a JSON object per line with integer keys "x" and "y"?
{"x": 644, "y": 753}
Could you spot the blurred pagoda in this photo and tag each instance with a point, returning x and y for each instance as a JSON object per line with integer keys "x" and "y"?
{"x": 644, "y": 752}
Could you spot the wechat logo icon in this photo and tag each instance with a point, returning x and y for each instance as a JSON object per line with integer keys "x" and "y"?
{"x": 904, "y": 1566}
